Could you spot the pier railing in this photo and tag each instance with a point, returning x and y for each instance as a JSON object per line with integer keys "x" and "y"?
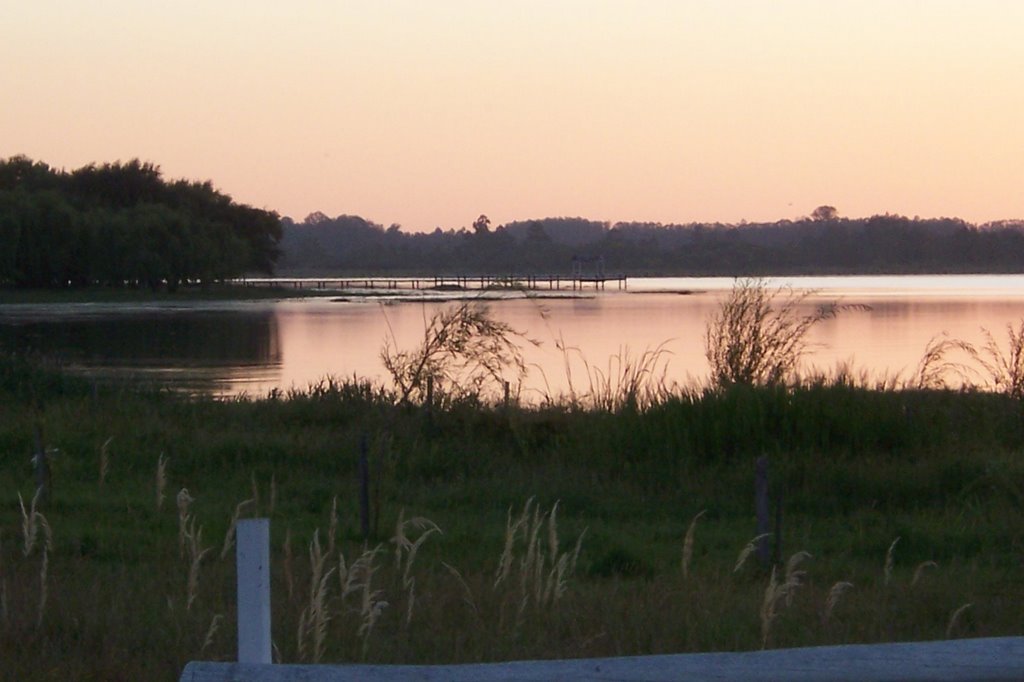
{"x": 443, "y": 282}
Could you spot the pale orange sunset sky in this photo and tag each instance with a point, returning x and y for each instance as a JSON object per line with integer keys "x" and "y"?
{"x": 430, "y": 113}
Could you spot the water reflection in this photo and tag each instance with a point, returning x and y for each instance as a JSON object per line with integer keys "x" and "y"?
{"x": 209, "y": 351}
{"x": 233, "y": 348}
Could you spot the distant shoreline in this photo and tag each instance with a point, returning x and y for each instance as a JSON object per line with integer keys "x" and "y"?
{"x": 691, "y": 285}
{"x": 129, "y": 295}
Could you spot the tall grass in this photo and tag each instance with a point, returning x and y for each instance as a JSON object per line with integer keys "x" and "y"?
{"x": 132, "y": 591}
{"x": 758, "y": 336}
{"x": 628, "y": 381}
{"x": 465, "y": 352}
{"x": 1005, "y": 368}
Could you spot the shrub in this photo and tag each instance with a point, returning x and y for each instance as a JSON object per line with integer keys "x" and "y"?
{"x": 759, "y": 335}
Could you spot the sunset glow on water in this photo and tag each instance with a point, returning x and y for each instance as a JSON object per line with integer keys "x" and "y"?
{"x": 233, "y": 348}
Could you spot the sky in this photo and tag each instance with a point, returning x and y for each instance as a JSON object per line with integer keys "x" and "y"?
{"x": 430, "y": 113}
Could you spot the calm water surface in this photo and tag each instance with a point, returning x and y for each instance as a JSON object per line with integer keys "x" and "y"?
{"x": 253, "y": 347}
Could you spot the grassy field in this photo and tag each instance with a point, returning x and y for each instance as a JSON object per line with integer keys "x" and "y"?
{"x": 499, "y": 532}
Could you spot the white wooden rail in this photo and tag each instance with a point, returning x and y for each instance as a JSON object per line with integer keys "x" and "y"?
{"x": 994, "y": 659}
{"x": 983, "y": 660}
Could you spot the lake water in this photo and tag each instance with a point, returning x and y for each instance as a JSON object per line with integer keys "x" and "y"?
{"x": 253, "y": 347}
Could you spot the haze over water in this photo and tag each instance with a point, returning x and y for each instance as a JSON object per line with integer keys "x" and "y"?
{"x": 253, "y": 347}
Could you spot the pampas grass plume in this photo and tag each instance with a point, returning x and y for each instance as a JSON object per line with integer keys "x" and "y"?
{"x": 161, "y": 481}
{"x": 688, "y": 543}
{"x": 955, "y": 619}
{"x": 833, "y": 598}
{"x": 919, "y": 571}
{"x": 890, "y": 561}
{"x": 748, "y": 550}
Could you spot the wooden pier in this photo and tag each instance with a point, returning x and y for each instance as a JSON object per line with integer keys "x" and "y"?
{"x": 444, "y": 283}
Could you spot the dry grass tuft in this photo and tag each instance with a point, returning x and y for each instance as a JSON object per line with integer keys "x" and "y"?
{"x": 32, "y": 521}
{"x": 372, "y": 603}
{"x": 834, "y": 595}
{"x": 44, "y": 566}
{"x": 467, "y": 594}
{"x": 954, "y": 620}
{"x": 543, "y": 575}
{"x": 313, "y": 619}
{"x": 196, "y": 553}
{"x": 747, "y": 550}
{"x": 105, "y": 460}
{"x": 29, "y": 522}
{"x": 768, "y": 607}
{"x": 405, "y": 553}
{"x": 935, "y": 367}
{"x": 794, "y": 576}
{"x": 919, "y": 571}
{"x": 211, "y": 632}
{"x": 229, "y": 536}
{"x": 184, "y": 500}
{"x": 688, "y": 543}
{"x": 890, "y": 560}
{"x": 161, "y": 481}
{"x": 777, "y": 592}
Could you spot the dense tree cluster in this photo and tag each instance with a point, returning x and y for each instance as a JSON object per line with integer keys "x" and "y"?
{"x": 820, "y": 243}
{"x": 123, "y": 224}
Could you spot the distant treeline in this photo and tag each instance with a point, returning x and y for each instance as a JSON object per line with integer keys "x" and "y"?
{"x": 820, "y": 243}
{"x": 122, "y": 224}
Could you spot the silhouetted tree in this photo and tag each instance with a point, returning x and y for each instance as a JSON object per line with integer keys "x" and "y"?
{"x": 482, "y": 225}
{"x": 825, "y": 213}
{"x": 121, "y": 224}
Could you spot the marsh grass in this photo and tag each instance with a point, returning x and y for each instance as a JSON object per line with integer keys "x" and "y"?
{"x": 939, "y": 469}
{"x": 464, "y": 353}
{"x": 688, "y": 540}
{"x": 949, "y": 361}
{"x": 1005, "y": 368}
{"x": 758, "y": 335}
{"x": 161, "y": 481}
{"x": 627, "y": 381}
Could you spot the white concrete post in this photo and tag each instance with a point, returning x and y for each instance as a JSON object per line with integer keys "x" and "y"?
{"x": 253, "y": 563}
